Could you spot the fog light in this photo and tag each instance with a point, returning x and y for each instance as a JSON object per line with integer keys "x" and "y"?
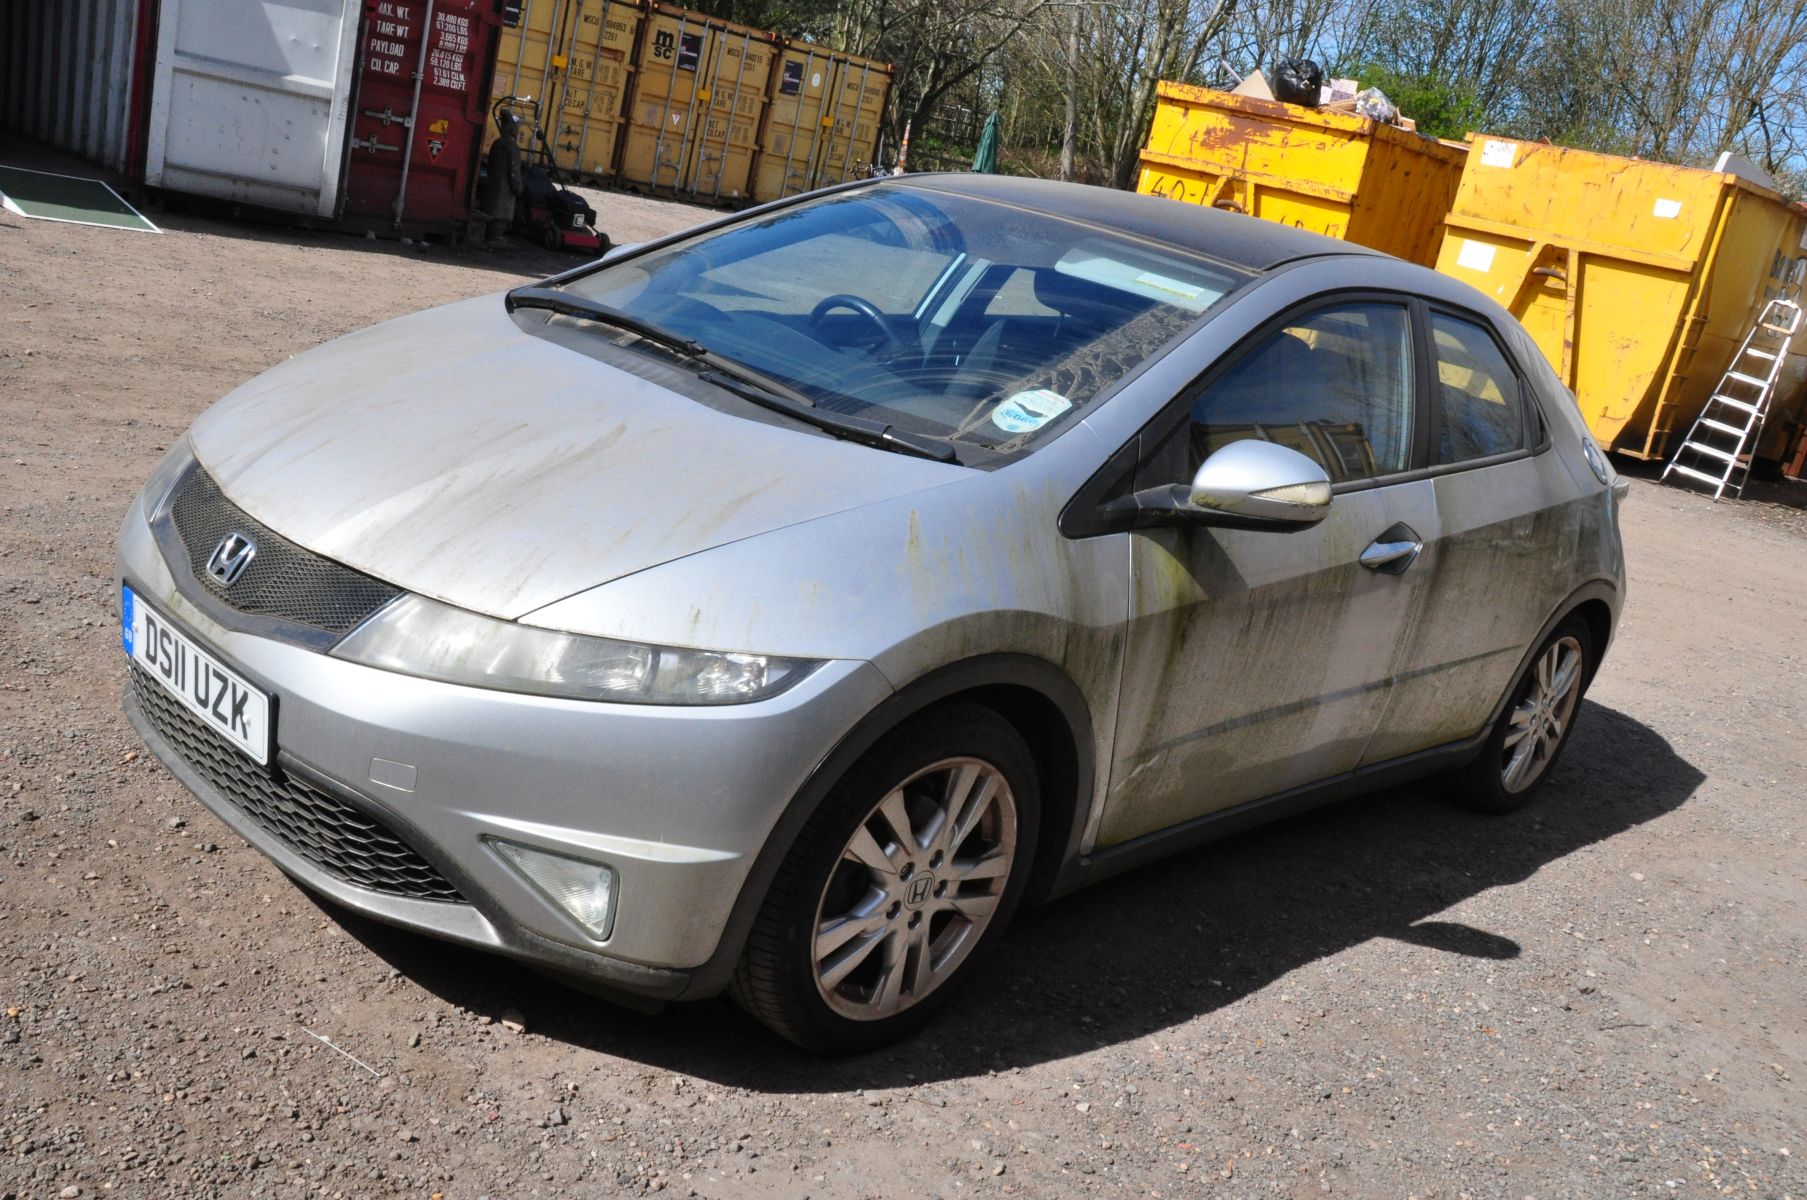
{"x": 585, "y": 890}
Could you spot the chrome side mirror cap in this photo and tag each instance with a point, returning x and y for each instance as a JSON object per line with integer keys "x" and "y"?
{"x": 1260, "y": 485}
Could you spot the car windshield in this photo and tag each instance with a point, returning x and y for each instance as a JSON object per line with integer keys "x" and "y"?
{"x": 946, "y": 316}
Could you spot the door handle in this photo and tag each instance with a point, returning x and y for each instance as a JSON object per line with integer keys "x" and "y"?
{"x": 1394, "y": 551}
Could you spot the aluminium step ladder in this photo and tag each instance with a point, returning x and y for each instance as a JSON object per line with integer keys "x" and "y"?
{"x": 1732, "y": 419}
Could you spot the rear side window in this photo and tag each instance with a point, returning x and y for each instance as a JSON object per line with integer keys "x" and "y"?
{"x": 1480, "y": 407}
{"x": 1335, "y": 385}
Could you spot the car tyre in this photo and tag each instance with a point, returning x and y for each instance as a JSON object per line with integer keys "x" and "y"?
{"x": 864, "y": 936}
{"x": 1530, "y": 734}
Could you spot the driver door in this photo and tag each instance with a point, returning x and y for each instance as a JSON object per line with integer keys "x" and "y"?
{"x": 1259, "y": 661}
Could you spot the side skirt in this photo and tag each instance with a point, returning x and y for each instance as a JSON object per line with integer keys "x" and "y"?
{"x": 1101, "y": 864}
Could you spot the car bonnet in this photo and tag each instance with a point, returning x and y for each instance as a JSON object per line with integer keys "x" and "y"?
{"x": 453, "y": 455}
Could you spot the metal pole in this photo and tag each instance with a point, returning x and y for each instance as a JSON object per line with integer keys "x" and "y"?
{"x": 555, "y": 105}
{"x": 746, "y": 40}
{"x": 790, "y": 148}
{"x": 602, "y": 33}
{"x": 665, "y": 113}
{"x": 859, "y": 106}
{"x": 817, "y": 155}
{"x": 839, "y": 95}
{"x": 520, "y": 50}
{"x": 704, "y": 56}
{"x": 551, "y": 49}
{"x": 420, "y": 76}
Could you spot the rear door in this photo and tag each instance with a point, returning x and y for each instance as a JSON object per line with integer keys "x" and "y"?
{"x": 1259, "y": 661}
{"x": 1506, "y": 544}
{"x": 250, "y": 99}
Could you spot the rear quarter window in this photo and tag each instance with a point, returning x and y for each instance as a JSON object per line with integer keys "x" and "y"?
{"x": 1479, "y": 402}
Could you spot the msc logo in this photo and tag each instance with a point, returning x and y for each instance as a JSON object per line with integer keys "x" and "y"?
{"x": 230, "y": 558}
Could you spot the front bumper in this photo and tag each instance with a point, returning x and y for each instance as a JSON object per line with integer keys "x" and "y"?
{"x": 677, "y": 801}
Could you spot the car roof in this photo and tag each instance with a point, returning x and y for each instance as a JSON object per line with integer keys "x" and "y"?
{"x": 1231, "y": 238}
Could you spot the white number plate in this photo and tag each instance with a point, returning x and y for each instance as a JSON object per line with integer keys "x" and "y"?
{"x": 220, "y": 697}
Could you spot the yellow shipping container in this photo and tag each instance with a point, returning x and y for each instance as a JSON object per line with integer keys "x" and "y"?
{"x": 1639, "y": 280}
{"x": 575, "y": 57}
{"x": 1333, "y": 173}
{"x": 796, "y": 122}
{"x": 698, "y": 101}
{"x": 822, "y": 120}
{"x": 861, "y": 88}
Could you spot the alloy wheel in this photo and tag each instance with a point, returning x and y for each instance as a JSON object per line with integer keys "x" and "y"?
{"x": 914, "y": 888}
{"x": 1540, "y": 719}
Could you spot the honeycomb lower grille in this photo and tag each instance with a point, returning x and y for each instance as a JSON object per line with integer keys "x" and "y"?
{"x": 320, "y": 827}
{"x": 282, "y": 580}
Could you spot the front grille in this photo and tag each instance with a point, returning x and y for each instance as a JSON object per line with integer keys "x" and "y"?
{"x": 282, "y": 580}
{"x": 318, "y": 826}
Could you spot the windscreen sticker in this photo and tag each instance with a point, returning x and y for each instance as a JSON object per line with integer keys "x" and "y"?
{"x": 1498, "y": 154}
{"x": 1026, "y": 412}
{"x": 1476, "y": 256}
{"x": 1667, "y": 210}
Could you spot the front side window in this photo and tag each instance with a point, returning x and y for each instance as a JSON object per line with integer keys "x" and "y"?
{"x": 1335, "y": 385}
{"x": 947, "y": 316}
{"x": 1477, "y": 394}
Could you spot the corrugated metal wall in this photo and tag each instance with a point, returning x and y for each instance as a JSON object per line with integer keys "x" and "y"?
{"x": 66, "y": 73}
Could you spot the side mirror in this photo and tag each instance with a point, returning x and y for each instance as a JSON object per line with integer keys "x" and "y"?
{"x": 1244, "y": 485}
{"x": 1261, "y": 485}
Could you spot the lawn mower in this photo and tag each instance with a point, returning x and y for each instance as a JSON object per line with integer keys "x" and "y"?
{"x": 546, "y": 210}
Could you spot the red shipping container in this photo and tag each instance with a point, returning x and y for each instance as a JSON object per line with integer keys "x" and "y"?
{"x": 424, "y": 75}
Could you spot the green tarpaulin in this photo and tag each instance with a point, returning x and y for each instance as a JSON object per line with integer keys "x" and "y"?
{"x": 985, "y": 159}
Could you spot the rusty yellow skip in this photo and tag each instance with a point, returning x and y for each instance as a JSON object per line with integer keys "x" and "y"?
{"x": 1330, "y": 172}
{"x": 1638, "y": 279}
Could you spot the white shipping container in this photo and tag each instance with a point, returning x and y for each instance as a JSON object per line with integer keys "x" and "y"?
{"x": 251, "y": 98}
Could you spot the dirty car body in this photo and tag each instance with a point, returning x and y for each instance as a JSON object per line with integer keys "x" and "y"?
{"x": 565, "y": 626}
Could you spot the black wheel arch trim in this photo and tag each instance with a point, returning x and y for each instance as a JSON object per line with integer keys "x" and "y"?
{"x": 1058, "y": 849}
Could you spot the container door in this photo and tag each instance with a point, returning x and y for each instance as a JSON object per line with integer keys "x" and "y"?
{"x": 857, "y": 108}
{"x": 728, "y": 132}
{"x": 589, "y": 109}
{"x": 419, "y": 117}
{"x": 251, "y": 99}
{"x": 793, "y": 124}
{"x": 674, "y": 47}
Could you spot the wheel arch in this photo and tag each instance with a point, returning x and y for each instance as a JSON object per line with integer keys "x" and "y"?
{"x": 1597, "y": 603}
{"x": 1039, "y": 700}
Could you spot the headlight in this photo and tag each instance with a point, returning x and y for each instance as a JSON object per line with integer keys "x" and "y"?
{"x": 169, "y": 469}
{"x": 417, "y": 636}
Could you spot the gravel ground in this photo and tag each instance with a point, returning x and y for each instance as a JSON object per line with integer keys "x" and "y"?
{"x": 1602, "y": 996}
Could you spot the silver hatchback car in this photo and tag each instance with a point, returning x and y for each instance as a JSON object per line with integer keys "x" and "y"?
{"x": 776, "y": 607}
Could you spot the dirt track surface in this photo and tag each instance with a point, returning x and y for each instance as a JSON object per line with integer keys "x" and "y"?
{"x": 1601, "y": 996}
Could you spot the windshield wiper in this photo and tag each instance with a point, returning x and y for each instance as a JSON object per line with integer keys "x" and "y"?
{"x": 731, "y": 376}
{"x": 853, "y": 429}
{"x": 568, "y": 305}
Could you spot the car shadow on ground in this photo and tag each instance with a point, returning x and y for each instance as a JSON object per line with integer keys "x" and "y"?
{"x": 1149, "y": 950}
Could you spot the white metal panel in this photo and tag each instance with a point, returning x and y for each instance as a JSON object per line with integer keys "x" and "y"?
{"x": 251, "y": 99}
